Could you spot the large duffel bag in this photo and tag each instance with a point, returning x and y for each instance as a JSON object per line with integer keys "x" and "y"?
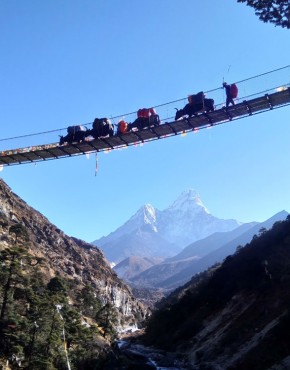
{"x": 154, "y": 120}
{"x": 71, "y": 130}
{"x": 234, "y": 90}
{"x": 99, "y": 123}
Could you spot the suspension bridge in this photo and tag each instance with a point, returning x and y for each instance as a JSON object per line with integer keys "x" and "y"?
{"x": 267, "y": 100}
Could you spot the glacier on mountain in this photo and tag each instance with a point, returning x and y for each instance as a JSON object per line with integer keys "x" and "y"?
{"x": 154, "y": 233}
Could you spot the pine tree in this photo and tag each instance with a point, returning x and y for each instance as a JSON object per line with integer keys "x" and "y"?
{"x": 88, "y": 301}
{"x": 274, "y": 11}
{"x": 106, "y": 318}
{"x": 39, "y": 328}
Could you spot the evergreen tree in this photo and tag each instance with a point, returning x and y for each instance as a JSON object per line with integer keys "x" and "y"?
{"x": 274, "y": 11}
{"x": 40, "y": 329}
{"x": 17, "y": 266}
{"x": 106, "y": 318}
{"x": 89, "y": 301}
{"x": 19, "y": 231}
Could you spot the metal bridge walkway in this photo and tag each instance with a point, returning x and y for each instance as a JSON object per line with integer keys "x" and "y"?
{"x": 55, "y": 151}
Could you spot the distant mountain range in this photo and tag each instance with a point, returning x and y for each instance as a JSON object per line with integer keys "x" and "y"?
{"x": 132, "y": 266}
{"x": 152, "y": 233}
{"x": 200, "y": 255}
{"x": 164, "y": 249}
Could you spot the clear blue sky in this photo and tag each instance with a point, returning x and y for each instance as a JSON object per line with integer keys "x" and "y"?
{"x": 67, "y": 62}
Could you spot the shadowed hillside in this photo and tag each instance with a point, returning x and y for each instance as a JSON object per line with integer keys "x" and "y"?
{"x": 199, "y": 256}
{"x": 237, "y": 315}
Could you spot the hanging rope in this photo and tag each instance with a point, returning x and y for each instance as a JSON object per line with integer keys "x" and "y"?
{"x": 97, "y": 165}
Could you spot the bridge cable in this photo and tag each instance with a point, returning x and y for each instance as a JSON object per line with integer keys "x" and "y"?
{"x": 156, "y": 106}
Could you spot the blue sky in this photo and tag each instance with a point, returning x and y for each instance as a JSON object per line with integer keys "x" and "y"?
{"x": 67, "y": 62}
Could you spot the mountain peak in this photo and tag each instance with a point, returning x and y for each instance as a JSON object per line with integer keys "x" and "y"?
{"x": 147, "y": 216}
{"x": 147, "y": 210}
{"x": 188, "y": 199}
{"x": 182, "y": 223}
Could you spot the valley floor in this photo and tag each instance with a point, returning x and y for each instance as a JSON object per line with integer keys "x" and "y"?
{"x": 131, "y": 353}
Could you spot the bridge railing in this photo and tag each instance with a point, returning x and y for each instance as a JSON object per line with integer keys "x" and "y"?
{"x": 249, "y": 88}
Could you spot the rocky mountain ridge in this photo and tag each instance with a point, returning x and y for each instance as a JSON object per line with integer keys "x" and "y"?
{"x": 70, "y": 257}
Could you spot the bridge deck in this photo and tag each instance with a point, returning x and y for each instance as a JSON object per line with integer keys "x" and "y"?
{"x": 54, "y": 151}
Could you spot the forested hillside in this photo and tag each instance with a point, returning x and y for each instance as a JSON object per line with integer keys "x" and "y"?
{"x": 236, "y": 315}
{"x": 60, "y": 303}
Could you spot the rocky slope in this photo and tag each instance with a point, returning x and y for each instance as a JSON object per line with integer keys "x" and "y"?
{"x": 132, "y": 266}
{"x": 67, "y": 256}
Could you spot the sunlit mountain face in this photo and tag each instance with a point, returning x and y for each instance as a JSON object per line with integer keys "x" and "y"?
{"x": 154, "y": 233}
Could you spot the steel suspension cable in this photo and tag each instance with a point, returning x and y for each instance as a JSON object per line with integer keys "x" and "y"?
{"x": 156, "y": 106}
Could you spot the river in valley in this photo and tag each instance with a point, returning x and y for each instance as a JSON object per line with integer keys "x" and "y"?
{"x": 132, "y": 354}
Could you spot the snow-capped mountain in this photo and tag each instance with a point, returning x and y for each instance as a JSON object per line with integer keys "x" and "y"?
{"x": 202, "y": 254}
{"x": 143, "y": 219}
{"x": 188, "y": 220}
{"x": 154, "y": 233}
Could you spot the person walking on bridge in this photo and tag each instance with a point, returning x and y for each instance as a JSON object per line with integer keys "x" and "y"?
{"x": 230, "y": 98}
